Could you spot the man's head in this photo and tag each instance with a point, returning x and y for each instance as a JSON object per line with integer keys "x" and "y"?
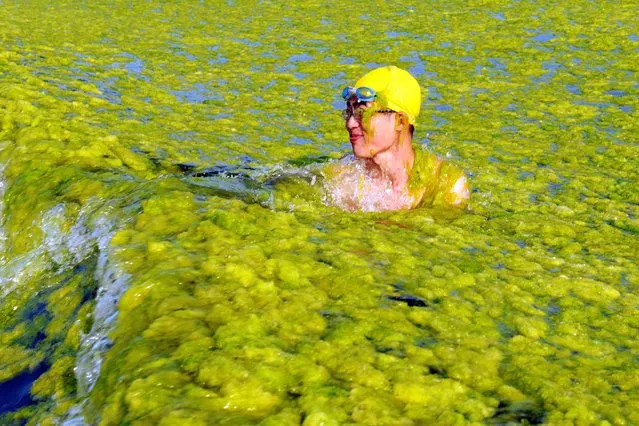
{"x": 381, "y": 107}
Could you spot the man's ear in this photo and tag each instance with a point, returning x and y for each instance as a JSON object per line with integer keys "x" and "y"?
{"x": 401, "y": 120}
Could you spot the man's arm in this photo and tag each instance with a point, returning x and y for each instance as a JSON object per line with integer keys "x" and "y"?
{"x": 453, "y": 185}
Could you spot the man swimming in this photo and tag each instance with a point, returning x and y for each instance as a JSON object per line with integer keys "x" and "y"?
{"x": 388, "y": 172}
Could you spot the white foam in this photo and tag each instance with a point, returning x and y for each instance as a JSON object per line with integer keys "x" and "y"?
{"x": 357, "y": 188}
{"x": 74, "y": 417}
{"x": 20, "y": 269}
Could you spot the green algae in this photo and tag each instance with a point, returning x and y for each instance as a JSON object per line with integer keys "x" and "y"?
{"x": 242, "y": 310}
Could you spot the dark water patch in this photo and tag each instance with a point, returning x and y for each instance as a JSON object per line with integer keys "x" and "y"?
{"x": 526, "y": 176}
{"x": 433, "y": 93}
{"x": 197, "y": 95}
{"x": 285, "y": 69}
{"x": 186, "y": 167}
{"x": 15, "y": 392}
{"x": 301, "y": 141}
{"x": 438, "y": 121}
{"x": 551, "y": 65}
{"x": 247, "y": 42}
{"x": 347, "y": 61}
{"x": 135, "y": 66}
{"x": 497, "y": 67}
{"x": 472, "y": 250}
{"x": 33, "y": 308}
{"x": 418, "y": 67}
{"x": 544, "y": 78}
{"x": 467, "y": 45}
{"x": 36, "y": 339}
{"x": 437, "y": 371}
{"x": 372, "y": 65}
{"x": 426, "y": 342}
{"x": 498, "y": 15}
{"x": 302, "y": 57}
{"x": 218, "y": 60}
{"x": 431, "y": 53}
{"x": 412, "y": 301}
{"x": 616, "y": 93}
{"x": 178, "y": 50}
{"x": 225, "y": 170}
{"x": 231, "y": 182}
{"x": 524, "y": 413}
{"x": 555, "y": 188}
{"x": 574, "y": 89}
{"x": 443, "y": 107}
{"x": 543, "y": 37}
{"x": 396, "y": 34}
{"x": 553, "y": 309}
{"x": 109, "y": 93}
{"x": 183, "y": 136}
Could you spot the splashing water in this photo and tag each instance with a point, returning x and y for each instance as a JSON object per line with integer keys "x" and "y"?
{"x": 356, "y": 187}
{"x": 90, "y": 233}
{"x": 112, "y": 284}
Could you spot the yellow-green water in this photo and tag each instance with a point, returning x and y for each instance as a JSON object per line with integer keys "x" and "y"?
{"x": 153, "y": 296}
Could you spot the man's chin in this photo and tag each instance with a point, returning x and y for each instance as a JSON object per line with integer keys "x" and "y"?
{"x": 360, "y": 150}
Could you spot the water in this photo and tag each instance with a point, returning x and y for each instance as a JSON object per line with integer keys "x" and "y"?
{"x": 169, "y": 250}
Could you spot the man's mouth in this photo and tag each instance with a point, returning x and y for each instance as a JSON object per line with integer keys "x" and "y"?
{"x": 355, "y": 136}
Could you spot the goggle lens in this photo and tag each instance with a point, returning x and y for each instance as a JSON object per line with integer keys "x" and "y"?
{"x": 364, "y": 94}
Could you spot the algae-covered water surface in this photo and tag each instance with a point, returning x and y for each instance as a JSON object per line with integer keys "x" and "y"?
{"x": 168, "y": 255}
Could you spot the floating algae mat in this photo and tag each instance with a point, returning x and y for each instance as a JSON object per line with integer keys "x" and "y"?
{"x": 167, "y": 257}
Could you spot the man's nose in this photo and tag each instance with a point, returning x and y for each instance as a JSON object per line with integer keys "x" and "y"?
{"x": 352, "y": 123}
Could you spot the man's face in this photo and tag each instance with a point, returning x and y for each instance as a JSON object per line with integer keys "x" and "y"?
{"x": 370, "y": 132}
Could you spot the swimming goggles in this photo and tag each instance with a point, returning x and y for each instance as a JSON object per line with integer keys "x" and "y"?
{"x": 364, "y": 94}
{"x": 357, "y": 112}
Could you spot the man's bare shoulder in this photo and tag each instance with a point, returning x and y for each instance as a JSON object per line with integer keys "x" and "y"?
{"x": 436, "y": 180}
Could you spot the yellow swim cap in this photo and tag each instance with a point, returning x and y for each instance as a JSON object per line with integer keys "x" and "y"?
{"x": 396, "y": 89}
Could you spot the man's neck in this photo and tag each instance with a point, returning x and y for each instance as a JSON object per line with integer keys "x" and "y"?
{"x": 396, "y": 162}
